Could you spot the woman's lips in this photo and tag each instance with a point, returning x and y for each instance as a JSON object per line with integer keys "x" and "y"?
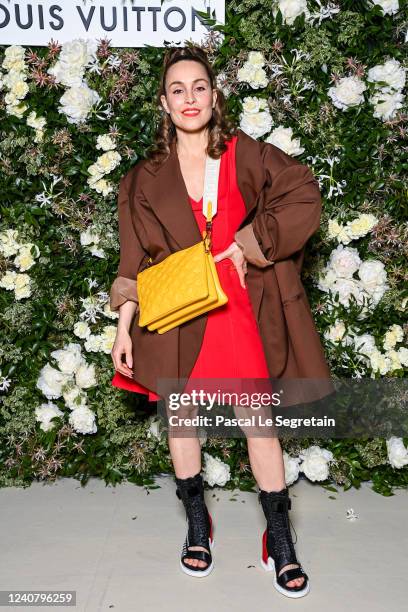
{"x": 190, "y": 113}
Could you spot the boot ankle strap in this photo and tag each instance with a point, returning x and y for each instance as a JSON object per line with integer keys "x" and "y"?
{"x": 278, "y": 505}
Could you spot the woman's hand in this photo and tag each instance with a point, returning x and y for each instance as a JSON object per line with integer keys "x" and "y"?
{"x": 234, "y": 253}
{"x": 123, "y": 345}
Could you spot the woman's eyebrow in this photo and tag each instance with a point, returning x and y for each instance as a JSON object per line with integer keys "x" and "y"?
{"x": 182, "y": 82}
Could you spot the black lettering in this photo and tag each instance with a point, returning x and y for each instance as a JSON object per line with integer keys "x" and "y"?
{"x": 125, "y": 19}
{"x": 166, "y": 20}
{"x": 154, "y": 10}
{"x": 138, "y": 10}
{"x": 60, "y": 24}
{"x": 41, "y": 16}
{"x": 194, "y": 16}
{"x": 86, "y": 21}
{"x": 24, "y": 26}
{"x": 114, "y": 18}
{"x": 6, "y": 19}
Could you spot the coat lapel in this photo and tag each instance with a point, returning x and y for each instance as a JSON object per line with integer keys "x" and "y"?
{"x": 168, "y": 197}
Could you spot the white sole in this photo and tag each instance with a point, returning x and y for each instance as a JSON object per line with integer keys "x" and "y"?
{"x": 270, "y": 567}
{"x": 199, "y": 573}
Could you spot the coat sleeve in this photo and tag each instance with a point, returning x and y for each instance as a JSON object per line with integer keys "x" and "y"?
{"x": 131, "y": 252}
{"x": 290, "y": 216}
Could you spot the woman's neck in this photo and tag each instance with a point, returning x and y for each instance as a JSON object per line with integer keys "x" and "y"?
{"x": 192, "y": 144}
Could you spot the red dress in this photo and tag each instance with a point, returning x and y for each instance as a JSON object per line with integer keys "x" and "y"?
{"x": 232, "y": 346}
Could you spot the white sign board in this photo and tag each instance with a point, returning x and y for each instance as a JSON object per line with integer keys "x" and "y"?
{"x": 126, "y": 23}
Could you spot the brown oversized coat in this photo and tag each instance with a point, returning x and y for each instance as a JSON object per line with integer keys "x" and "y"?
{"x": 283, "y": 208}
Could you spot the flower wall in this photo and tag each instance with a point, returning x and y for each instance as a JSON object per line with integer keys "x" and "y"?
{"x": 326, "y": 83}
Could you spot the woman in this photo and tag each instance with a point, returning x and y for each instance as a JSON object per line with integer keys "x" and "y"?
{"x": 160, "y": 212}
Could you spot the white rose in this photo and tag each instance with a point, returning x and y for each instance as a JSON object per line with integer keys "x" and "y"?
{"x": 392, "y": 336}
{"x": 105, "y": 142}
{"x": 290, "y": 9}
{"x": 326, "y": 280}
{"x": 254, "y": 105}
{"x": 51, "y": 381}
{"x": 283, "y": 138}
{"x": 373, "y": 275}
{"x": 216, "y": 472}
{"x": 69, "y": 358}
{"x": 291, "y": 466}
{"x": 108, "y": 161}
{"x": 365, "y": 344}
{"x": 348, "y": 92}
{"x": 395, "y": 362}
{"x": 22, "y": 286}
{"x": 361, "y": 226}
{"x": 76, "y": 103}
{"x": 102, "y": 186}
{"x": 335, "y": 230}
{"x": 85, "y": 376}
{"x": 403, "y": 356}
{"x": 397, "y": 453}
{"x": 82, "y": 329}
{"x": 315, "y": 462}
{"x": 391, "y": 72}
{"x": 19, "y": 90}
{"x": 336, "y": 332}
{"x": 93, "y": 344}
{"x": 82, "y": 420}
{"x": 74, "y": 397}
{"x": 17, "y": 110}
{"x": 78, "y": 51}
{"x": 45, "y": 413}
{"x": 256, "y": 125}
{"x": 8, "y": 281}
{"x": 13, "y": 57}
{"x": 8, "y": 242}
{"x": 379, "y": 362}
{"x": 256, "y": 58}
{"x": 345, "y": 261}
{"x": 347, "y": 287}
{"x": 38, "y": 123}
{"x": 386, "y": 104}
{"x": 14, "y": 77}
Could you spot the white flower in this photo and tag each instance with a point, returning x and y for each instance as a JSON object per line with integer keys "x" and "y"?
{"x": 89, "y": 237}
{"x": 108, "y": 338}
{"x": 379, "y": 362}
{"x": 38, "y": 123}
{"x": 74, "y": 397}
{"x": 8, "y": 242}
{"x": 51, "y": 381}
{"x": 365, "y": 344}
{"x": 22, "y": 286}
{"x": 283, "y": 138}
{"x": 386, "y": 104}
{"x": 76, "y": 103}
{"x": 291, "y": 465}
{"x": 347, "y": 287}
{"x": 361, "y": 226}
{"x": 391, "y": 73}
{"x": 8, "y": 281}
{"x": 24, "y": 259}
{"x": 101, "y": 186}
{"x": 255, "y": 120}
{"x": 373, "y": 277}
{"x": 82, "y": 420}
{"x": 13, "y": 57}
{"x": 105, "y": 142}
{"x": 19, "y": 90}
{"x": 348, "y": 92}
{"x": 290, "y": 9}
{"x": 45, "y": 413}
{"x": 345, "y": 261}
{"x": 393, "y": 336}
{"x": 315, "y": 463}
{"x": 337, "y": 333}
{"x": 82, "y": 329}
{"x": 403, "y": 356}
{"x": 395, "y": 362}
{"x": 85, "y": 376}
{"x": 216, "y": 472}
{"x": 17, "y": 110}
{"x": 253, "y": 105}
{"x": 108, "y": 161}
{"x": 397, "y": 453}
{"x": 69, "y": 359}
{"x": 252, "y": 71}
{"x": 389, "y": 7}
{"x": 155, "y": 429}
{"x": 335, "y": 230}
{"x": 93, "y": 343}
{"x": 74, "y": 57}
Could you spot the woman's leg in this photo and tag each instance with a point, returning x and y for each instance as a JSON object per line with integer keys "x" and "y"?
{"x": 266, "y": 458}
{"x": 185, "y": 451}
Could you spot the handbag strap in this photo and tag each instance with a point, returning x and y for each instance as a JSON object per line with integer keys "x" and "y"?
{"x": 210, "y": 197}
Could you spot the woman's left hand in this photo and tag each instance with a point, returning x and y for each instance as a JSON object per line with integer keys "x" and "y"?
{"x": 234, "y": 253}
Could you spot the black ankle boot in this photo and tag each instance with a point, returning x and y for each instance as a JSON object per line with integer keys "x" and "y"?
{"x": 191, "y": 492}
{"x": 277, "y": 544}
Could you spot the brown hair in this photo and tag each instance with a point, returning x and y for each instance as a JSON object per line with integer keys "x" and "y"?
{"x": 220, "y": 127}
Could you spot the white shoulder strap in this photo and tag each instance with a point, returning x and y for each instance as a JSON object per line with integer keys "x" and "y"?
{"x": 212, "y": 171}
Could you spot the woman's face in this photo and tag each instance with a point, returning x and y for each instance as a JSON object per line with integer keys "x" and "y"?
{"x": 187, "y": 88}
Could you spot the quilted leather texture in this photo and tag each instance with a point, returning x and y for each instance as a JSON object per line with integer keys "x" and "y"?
{"x": 179, "y": 288}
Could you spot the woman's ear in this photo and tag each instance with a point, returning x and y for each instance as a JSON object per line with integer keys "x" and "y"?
{"x": 164, "y": 103}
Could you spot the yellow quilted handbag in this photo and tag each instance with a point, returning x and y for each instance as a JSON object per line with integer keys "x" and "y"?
{"x": 179, "y": 288}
